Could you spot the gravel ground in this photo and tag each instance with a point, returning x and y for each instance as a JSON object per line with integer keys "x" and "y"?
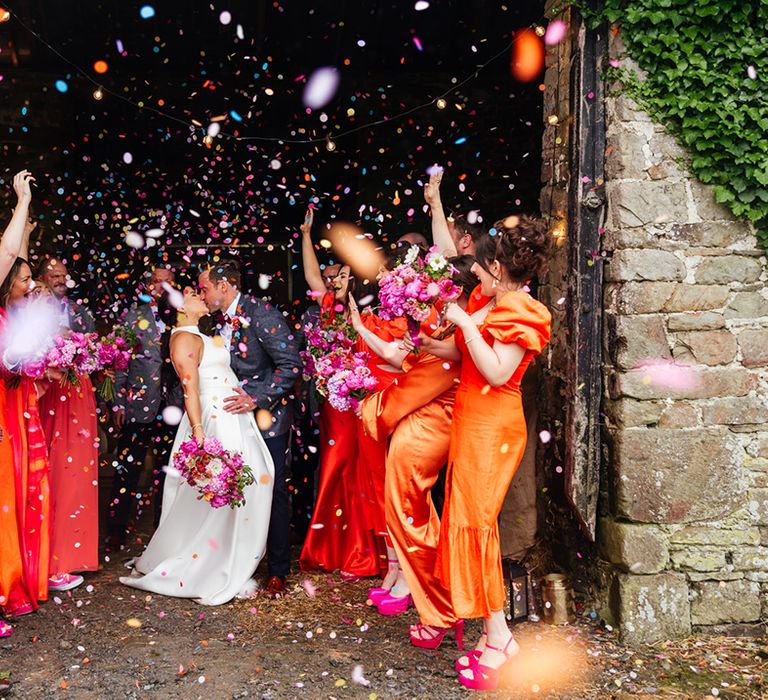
{"x": 321, "y": 640}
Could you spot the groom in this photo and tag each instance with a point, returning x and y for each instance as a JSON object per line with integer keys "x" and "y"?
{"x": 265, "y": 359}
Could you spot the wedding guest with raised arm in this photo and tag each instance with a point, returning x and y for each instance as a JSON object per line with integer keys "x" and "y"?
{"x": 338, "y": 537}
{"x": 18, "y": 589}
{"x": 75, "y": 314}
{"x": 452, "y": 236}
{"x": 265, "y": 359}
{"x": 495, "y": 344}
{"x": 140, "y": 398}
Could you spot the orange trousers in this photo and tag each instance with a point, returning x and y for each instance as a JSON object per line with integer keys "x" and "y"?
{"x": 416, "y": 412}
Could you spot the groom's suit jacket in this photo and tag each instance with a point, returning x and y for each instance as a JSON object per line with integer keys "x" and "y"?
{"x": 265, "y": 358}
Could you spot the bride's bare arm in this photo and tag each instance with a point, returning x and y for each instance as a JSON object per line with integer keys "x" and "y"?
{"x": 186, "y": 351}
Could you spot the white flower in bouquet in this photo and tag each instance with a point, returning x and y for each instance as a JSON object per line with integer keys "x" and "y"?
{"x": 412, "y": 255}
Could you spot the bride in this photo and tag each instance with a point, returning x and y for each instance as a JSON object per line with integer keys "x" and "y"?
{"x": 197, "y": 551}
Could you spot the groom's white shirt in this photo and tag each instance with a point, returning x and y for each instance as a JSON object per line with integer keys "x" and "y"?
{"x": 226, "y": 331}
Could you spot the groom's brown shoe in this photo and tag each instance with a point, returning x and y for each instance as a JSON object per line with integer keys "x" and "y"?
{"x": 275, "y": 586}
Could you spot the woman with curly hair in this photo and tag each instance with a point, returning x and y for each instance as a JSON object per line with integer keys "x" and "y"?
{"x": 495, "y": 340}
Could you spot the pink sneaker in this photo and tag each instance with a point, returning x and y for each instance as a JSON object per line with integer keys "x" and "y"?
{"x": 64, "y": 582}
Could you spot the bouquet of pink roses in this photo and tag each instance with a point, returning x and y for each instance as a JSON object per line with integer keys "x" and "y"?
{"x": 114, "y": 353}
{"x": 219, "y": 475}
{"x": 348, "y": 386}
{"x": 415, "y": 285}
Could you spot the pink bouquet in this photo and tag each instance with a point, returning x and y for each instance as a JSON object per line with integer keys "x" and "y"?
{"x": 415, "y": 285}
{"x": 348, "y": 386}
{"x": 72, "y": 355}
{"x": 114, "y": 353}
{"x": 219, "y": 475}
{"x": 329, "y": 343}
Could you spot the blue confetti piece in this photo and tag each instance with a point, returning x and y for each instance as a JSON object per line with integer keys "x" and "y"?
{"x": 235, "y": 116}
{"x": 147, "y": 12}
{"x": 459, "y": 141}
{"x": 61, "y": 86}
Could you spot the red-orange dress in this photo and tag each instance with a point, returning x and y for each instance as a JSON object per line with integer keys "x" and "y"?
{"x": 338, "y": 537}
{"x": 68, "y": 415}
{"x": 372, "y": 454}
{"x": 488, "y": 439}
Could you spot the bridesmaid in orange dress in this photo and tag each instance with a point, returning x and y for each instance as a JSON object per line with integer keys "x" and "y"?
{"x": 415, "y": 414}
{"x": 338, "y": 537}
{"x": 495, "y": 344}
{"x": 12, "y": 593}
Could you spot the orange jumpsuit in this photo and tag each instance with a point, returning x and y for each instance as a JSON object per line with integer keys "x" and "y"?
{"x": 488, "y": 439}
{"x": 416, "y": 411}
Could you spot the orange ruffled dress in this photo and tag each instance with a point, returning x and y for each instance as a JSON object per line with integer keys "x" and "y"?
{"x": 488, "y": 439}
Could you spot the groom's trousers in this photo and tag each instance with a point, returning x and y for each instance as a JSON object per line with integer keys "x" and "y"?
{"x": 278, "y": 539}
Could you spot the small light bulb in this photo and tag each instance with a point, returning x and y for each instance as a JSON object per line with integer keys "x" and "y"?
{"x": 207, "y": 140}
{"x": 441, "y": 103}
{"x": 553, "y": 119}
{"x": 540, "y": 31}
{"x": 98, "y": 94}
{"x": 5, "y": 15}
{"x": 330, "y": 145}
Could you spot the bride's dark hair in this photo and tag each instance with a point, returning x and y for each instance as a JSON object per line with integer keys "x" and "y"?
{"x": 166, "y": 312}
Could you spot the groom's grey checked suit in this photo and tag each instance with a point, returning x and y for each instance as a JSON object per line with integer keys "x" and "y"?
{"x": 265, "y": 358}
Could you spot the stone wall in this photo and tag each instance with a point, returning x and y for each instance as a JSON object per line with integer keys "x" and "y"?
{"x": 686, "y": 525}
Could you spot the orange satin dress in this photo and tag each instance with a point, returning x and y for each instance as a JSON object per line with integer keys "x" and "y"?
{"x": 488, "y": 439}
{"x": 12, "y": 593}
{"x": 416, "y": 412}
{"x": 338, "y": 536}
{"x": 68, "y": 416}
{"x": 33, "y": 496}
{"x": 372, "y": 454}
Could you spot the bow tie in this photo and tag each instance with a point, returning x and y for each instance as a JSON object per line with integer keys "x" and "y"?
{"x": 222, "y": 319}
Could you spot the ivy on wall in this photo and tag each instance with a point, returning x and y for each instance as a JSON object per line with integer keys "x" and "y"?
{"x": 707, "y": 83}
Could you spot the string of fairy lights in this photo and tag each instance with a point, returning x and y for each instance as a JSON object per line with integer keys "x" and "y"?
{"x": 439, "y": 102}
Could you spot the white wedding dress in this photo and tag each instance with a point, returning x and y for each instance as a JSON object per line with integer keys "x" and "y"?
{"x": 200, "y": 552}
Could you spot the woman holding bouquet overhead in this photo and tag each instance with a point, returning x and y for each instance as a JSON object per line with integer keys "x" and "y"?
{"x": 210, "y": 539}
{"x": 495, "y": 344}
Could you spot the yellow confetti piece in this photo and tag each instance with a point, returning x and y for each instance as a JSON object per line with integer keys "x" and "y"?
{"x": 340, "y": 682}
{"x": 143, "y": 324}
{"x": 133, "y": 622}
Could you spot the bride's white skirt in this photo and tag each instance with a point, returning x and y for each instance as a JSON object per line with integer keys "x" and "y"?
{"x": 205, "y": 553}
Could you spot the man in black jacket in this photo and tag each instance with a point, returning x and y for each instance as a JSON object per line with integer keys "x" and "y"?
{"x": 265, "y": 359}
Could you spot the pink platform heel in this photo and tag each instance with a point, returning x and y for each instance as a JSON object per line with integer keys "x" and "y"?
{"x": 389, "y": 605}
{"x": 486, "y": 677}
{"x": 376, "y": 594}
{"x": 471, "y": 659}
{"x": 431, "y": 637}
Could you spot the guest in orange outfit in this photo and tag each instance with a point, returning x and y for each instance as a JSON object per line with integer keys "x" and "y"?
{"x": 12, "y": 593}
{"x": 495, "y": 344}
{"x": 416, "y": 412}
{"x": 30, "y": 458}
